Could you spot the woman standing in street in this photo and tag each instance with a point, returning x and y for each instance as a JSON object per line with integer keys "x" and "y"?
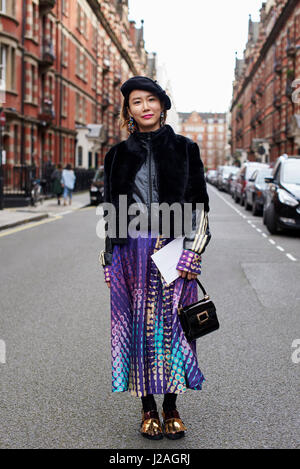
{"x": 57, "y": 188}
{"x": 150, "y": 354}
{"x": 68, "y": 182}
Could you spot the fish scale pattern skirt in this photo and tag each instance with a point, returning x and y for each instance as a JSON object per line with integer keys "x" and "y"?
{"x": 150, "y": 354}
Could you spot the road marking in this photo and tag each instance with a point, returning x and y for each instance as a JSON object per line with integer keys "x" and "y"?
{"x": 29, "y": 225}
{"x": 290, "y": 256}
{"x": 66, "y": 212}
{"x": 90, "y": 207}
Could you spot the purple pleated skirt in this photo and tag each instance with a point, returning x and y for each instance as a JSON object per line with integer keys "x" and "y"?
{"x": 150, "y": 354}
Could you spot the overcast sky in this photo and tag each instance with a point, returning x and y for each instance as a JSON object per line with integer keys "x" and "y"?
{"x": 197, "y": 40}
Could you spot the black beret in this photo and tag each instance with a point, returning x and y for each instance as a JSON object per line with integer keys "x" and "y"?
{"x": 147, "y": 84}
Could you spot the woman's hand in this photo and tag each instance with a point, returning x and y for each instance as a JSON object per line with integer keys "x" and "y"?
{"x": 189, "y": 275}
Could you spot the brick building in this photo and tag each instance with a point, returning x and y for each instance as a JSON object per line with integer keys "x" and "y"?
{"x": 209, "y": 130}
{"x": 61, "y": 65}
{"x": 265, "y": 117}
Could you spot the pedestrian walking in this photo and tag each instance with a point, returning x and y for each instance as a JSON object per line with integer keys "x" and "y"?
{"x": 150, "y": 354}
{"x": 68, "y": 182}
{"x": 57, "y": 188}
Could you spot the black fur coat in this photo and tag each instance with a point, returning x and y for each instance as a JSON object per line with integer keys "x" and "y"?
{"x": 179, "y": 169}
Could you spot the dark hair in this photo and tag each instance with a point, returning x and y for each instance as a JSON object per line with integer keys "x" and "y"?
{"x": 59, "y": 166}
{"x": 68, "y": 166}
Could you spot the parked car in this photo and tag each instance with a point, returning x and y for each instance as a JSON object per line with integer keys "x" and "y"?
{"x": 223, "y": 177}
{"x": 242, "y": 179}
{"x": 232, "y": 180}
{"x": 282, "y": 202}
{"x": 210, "y": 175}
{"x": 255, "y": 190}
{"x": 219, "y": 171}
{"x": 97, "y": 187}
{"x": 213, "y": 177}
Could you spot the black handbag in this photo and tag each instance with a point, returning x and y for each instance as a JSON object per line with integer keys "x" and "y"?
{"x": 199, "y": 318}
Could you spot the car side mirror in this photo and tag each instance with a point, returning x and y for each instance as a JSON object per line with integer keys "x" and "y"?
{"x": 269, "y": 179}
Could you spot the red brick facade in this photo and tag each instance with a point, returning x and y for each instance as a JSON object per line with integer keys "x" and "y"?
{"x": 209, "y": 131}
{"x": 63, "y": 62}
{"x": 265, "y": 108}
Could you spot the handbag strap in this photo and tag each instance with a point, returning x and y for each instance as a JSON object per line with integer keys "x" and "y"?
{"x": 184, "y": 285}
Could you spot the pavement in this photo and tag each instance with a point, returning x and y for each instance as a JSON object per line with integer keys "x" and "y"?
{"x": 11, "y": 217}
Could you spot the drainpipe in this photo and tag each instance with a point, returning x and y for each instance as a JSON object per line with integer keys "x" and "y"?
{"x": 23, "y": 85}
{"x": 61, "y": 85}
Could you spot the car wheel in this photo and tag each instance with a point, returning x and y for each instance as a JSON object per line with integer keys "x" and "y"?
{"x": 255, "y": 209}
{"x": 247, "y": 206}
{"x": 271, "y": 222}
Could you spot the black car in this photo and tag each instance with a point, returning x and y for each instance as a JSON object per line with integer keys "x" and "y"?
{"x": 97, "y": 187}
{"x": 255, "y": 190}
{"x": 282, "y": 202}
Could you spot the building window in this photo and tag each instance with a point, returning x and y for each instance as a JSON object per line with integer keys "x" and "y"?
{"x": 63, "y": 148}
{"x": 3, "y": 59}
{"x": 65, "y": 7}
{"x": 16, "y": 143}
{"x": 64, "y": 49}
{"x": 50, "y": 87}
{"x": 7, "y": 67}
{"x": 94, "y": 76}
{"x": 77, "y": 109}
{"x": 94, "y": 112}
{"x": 85, "y": 68}
{"x": 84, "y": 109}
{"x": 78, "y": 16}
{"x": 79, "y": 156}
{"x": 71, "y": 148}
{"x": 35, "y": 24}
{"x": 64, "y": 100}
{"x": 8, "y": 7}
{"x": 94, "y": 38}
{"x": 50, "y": 145}
{"x": 78, "y": 55}
{"x": 32, "y": 75}
{"x": 3, "y": 6}
{"x": 85, "y": 24}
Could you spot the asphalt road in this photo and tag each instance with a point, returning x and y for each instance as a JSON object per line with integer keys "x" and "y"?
{"x": 55, "y": 322}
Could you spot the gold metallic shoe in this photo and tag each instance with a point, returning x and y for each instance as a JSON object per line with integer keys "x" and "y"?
{"x": 174, "y": 427}
{"x": 151, "y": 426}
